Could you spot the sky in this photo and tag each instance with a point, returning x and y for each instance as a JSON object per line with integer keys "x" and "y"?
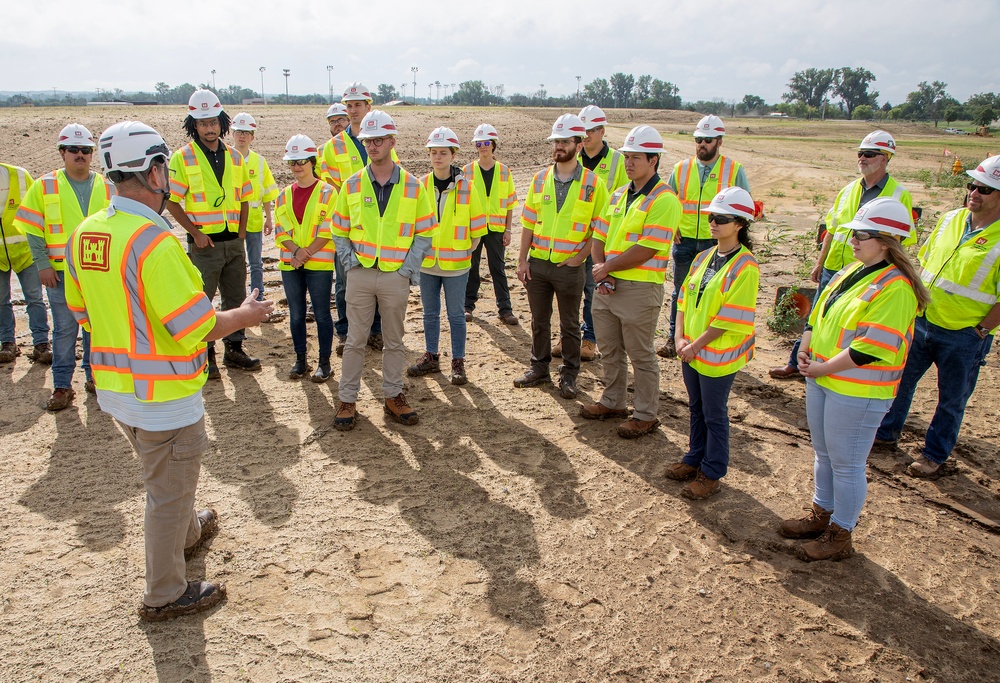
{"x": 718, "y": 49}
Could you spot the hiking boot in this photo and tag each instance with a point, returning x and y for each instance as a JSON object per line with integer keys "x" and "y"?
{"x": 236, "y": 358}
{"x": 668, "y": 350}
{"x": 346, "y": 418}
{"x": 375, "y": 342}
{"x": 90, "y": 386}
{"x": 9, "y": 351}
{"x": 468, "y": 316}
{"x": 509, "y": 319}
{"x": 428, "y": 363}
{"x": 681, "y": 471}
{"x": 588, "y": 350}
{"x": 633, "y": 428}
{"x": 42, "y": 353}
{"x": 701, "y": 488}
{"x": 567, "y": 388}
{"x": 341, "y": 343}
{"x": 925, "y": 468}
{"x": 300, "y": 368}
{"x": 399, "y": 410}
{"x": 199, "y": 596}
{"x": 557, "y": 349}
{"x": 323, "y": 370}
{"x": 810, "y": 526}
{"x": 786, "y": 372}
{"x": 833, "y": 544}
{"x": 458, "y": 377}
{"x": 213, "y": 368}
{"x": 532, "y": 378}
{"x": 598, "y": 411}
{"x": 60, "y": 399}
{"x": 209, "y": 527}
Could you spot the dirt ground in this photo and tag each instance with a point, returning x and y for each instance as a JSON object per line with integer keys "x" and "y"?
{"x": 503, "y": 538}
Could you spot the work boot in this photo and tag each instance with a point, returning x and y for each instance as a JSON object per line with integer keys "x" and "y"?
{"x": 323, "y": 370}
{"x": 346, "y": 418}
{"x": 557, "y": 349}
{"x": 8, "y": 352}
{"x": 213, "y": 368}
{"x": 567, "y": 388}
{"x": 598, "y": 411}
{"x": 209, "y": 520}
{"x": 42, "y": 353}
{"x": 300, "y": 368}
{"x": 588, "y": 350}
{"x": 90, "y": 386}
{"x": 681, "y": 471}
{"x": 375, "y": 342}
{"x": 509, "y": 319}
{"x": 341, "y": 343}
{"x": 532, "y": 378}
{"x": 468, "y": 316}
{"x": 701, "y": 488}
{"x": 786, "y": 372}
{"x": 668, "y": 350}
{"x": 458, "y": 377}
{"x": 428, "y": 363}
{"x": 60, "y": 399}
{"x": 810, "y": 526}
{"x": 633, "y": 428}
{"x": 833, "y": 544}
{"x": 399, "y": 410}
{"x": 236, "y": 358}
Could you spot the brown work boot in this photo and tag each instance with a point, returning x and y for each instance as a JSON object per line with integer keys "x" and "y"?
{"x": 668, "y": 350}
{"x": 428, "y": 363}
{"x": 60, "y": 399}
{"x": 375, "y": 342}
{"x": 556, "y": 349}
{"x": 399, "y": 410}
{"x": 833, "y": 544}
{"x": 341, "y": 343}
{"x": 42, "y": 353}
{"x": 458, "y": 377}
{"x": 810, "y": 526}
{"x": 633, "y": 428}
{"x": 599, "y": 411}
{"x": 8, "y": 352}
{"x": 681, "y": 471}
{"x": 786, "y": 372}
{"x": 588, "y": 350}
{"x": 346, "y": 418}
{"x": 509, "y": 319}
{"x": 90, "y": 386}
{"x": 532, "y": 378}
{"x": 701, "y": 488}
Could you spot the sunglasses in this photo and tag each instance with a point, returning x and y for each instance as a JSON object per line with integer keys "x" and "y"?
{"x": 981, "y": 189}
{"x": 868, "y": 154}
{"x": 720, "y": 219}
{"x": 79, "y": 150}
{"x": 298, "y": 162}
{"x": 484, "y": 143}
{"x": 863, "y": 235}
{"x": 698, "y": 141}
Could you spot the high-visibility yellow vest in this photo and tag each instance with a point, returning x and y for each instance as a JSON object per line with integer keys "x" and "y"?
{"x": 611, "y": 169}
{"x": 460, "y": 221}
{"x": 51, "y": 210}
{"x": 339, "y": 159}
{"x": 649, "y": 222}
{"x": 560, "y": 235}
{"x": 729, "y": 303}
{"x": 211, "y": 207}
{"x": 846, "y": 204}
{"x": 316, "y": 222}
{"x": 964, "y": 280}
{"x": 15, "y": 254}
{"x": 687, "y": 180}
{"x": 263, "y": 189}
{"x": 132, "y": 286}
{"x": 386, "y": 238}
{"x": 875, "y": 316}
{"x": 502, "y": 198}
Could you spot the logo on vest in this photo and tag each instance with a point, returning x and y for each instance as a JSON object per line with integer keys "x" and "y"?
{"x": 711, "y": 176}
{"x": 604, "y": 166}
{"x": 981, "y": 241}
{"x": 252, "y": 171}
{"x": 368, "y": 200}
{"x": 95, "y": 252}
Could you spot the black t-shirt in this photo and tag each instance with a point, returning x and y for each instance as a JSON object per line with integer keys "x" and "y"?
{"x": 590, "y": 163}
{"x": 217, "y": 160}
{"x": 488, "y": 178}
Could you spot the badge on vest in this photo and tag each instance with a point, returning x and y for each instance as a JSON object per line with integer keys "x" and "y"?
{"x": 354, "y": 159}
{"x": 711, "y": 176}
{"x": 604, "y": 167}
{"x": 546, "y": 198}
{"x": 981, "y": 241}
{"x": 368, "y": 200}
{"x": 252, "y": 172}
{"x": 95, "y": 252}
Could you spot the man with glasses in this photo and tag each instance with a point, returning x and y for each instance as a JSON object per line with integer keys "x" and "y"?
{"x": 960, "y": 264}
{"x": 53, "y": 207}
{"x": 696, "y": 181}
{"x": 211, "y": 179}
{"x": 874, "y": 154}
{"x": 336, "y": 118}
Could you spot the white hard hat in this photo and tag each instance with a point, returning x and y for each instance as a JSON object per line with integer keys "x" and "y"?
{"x": 485, "y": 132}
{"x": 592, "y": 117}
{"x": 375, "y": 124}
{"x": 643, "y": 139}
{"x": 299, "y": 147}
{"x": 336, "y": 110}
{"x": 732, "y": 201}
{"x": 204, "y": 104}
{"x": 442, "y": 137}
{"x": 244, "y": 121}
{"x": 886, "y": 215}
{"x": 988, "y": 172}
{"x": 880, "y": 141}
{"x": 710, "y": 126}
{"x": 356, "y": 90}
{"x": 76, "y": 134}
{"x": 130, "y": 147}
{"x": 567, "y": 126}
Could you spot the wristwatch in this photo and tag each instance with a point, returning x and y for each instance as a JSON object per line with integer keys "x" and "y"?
{"x": 982, "y": 331}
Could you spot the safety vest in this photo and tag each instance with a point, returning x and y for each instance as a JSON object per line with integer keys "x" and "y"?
{"x": 340, "y": 158}
{"x": 611, "y": 169}
{"x": 649, "y": 222}
{"x": 687, "y": 180}
{"x": 729, "y": 303}
{"x": 963, "y": 279}
{"x": 50, "y": 210}
{"x": 560, "y": 235}
{"x": 132, "y": 286}
{"x": 210, "y": 207}
{"x": 263, "y": 189}
{"x": 875, "y": 317}
{"x": 460, "y": 220}
{"x": 14, "y": 250}
{"x": 316, "y": 222}
{"x": 502, "y": 198}
{"x": 386, "y": 238}
{"x": 846, "y": 204}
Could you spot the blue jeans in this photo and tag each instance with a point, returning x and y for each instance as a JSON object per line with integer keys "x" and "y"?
{"x": 64, "y": 332}
{"x": 682, "y": 255}
{"x": 587, "y": 328}
{"x": 454, "y": 299}
{"x": 255, "y": 247}
{"x": 318, "y": 283}
{"x": 38, "y": 321}
{"x": 824, "y": 280}
{"x": 340, "y": 293}
{"x": 708, "y": 439}
{"x": 842, "y": 429}
{"x": 958, "y": 355}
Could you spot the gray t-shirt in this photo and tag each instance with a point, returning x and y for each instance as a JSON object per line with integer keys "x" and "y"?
{"x": 83, "y": 188}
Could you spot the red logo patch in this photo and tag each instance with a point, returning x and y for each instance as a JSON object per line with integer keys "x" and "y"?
{"x": 95, "y": 252}
{"x": 981, "y": 240}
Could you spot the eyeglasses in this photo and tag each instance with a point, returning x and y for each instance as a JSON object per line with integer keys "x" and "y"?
{"x": 374, "y": 142}
{"x": 298, "y": 162}
{"x": 981, "y": 189}
{"x": 484, "y": 143}
{"x": 868, "y": 154}
{"x": 79, "y": 150}
{"x": 720, "y": 219}
{"x": 698, "y": 141}
{"x": 863, "y": 235}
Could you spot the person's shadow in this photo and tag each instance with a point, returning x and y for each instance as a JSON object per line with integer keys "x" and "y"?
{"x": 178, "y": 647}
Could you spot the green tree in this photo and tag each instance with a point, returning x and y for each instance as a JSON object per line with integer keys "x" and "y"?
{"x": 925, "y": 101}
{"x": 621, "y": 88}
{"x": 643, "y": 88}
{"x": 386, "y": 93}
{"x": 951, "y": 114}
{"x": 810, "y": 86}
{"x": 984, "y": 116}
{"x": 472, "y": 93}
{"x": 852, "y": 88}
{"x": 598, "y": 91}
{"x": 863, "y": 112}
{"x": 753, "y": 102}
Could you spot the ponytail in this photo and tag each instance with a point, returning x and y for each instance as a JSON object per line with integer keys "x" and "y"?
{"x": 899, "y": 258}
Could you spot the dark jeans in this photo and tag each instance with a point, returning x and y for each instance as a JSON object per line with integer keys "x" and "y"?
{"x": 708, "y": 440}
{"x": 682, "y": 255}
{"x": 318, "y": 283}
{"x": 588, "y": 300}
{"x": 565, "y": 284}
{"x": 958, "y": 355}
{"x": 824, "y": 280}
{"x": 493, "y": 242}
{"x": 340, "y": 292}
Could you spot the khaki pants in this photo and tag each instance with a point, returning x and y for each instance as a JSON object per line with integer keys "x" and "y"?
{"x": 625, "y": 323}
{"x": 367, "y": 287}
{"x": 171, "y": 463}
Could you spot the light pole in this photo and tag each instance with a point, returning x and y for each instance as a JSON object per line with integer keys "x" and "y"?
{"x": 213, "y": 79}
{"x": 429, "y": 86}
{"x": 287, "y": 73}
{"x": 329, "y": 80}
{"x": 414, "y": 70}
{"x": 262, "y": 69}
{"x": 437, "y": 84}
{"x": 402, "y": 89}
{"x": 578, "y": 89}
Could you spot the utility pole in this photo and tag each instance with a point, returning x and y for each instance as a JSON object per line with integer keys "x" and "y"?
{"x": 578, "y": 89}
{"x": 329, "y": 80}
{"x": 213, "y": 79}
{"x": 262, "y": 69}
{"x": 287, "y": 73}
{"x": 414, "y": 70}
{"x": 429, "y": 86}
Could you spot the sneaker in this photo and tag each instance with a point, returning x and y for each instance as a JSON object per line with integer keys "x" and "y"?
{"x": 60, "y": 399}
{"x": 375, "y": 342}
{"x": 199, "y": 596}
{"x": 681, "y": 471}
{"x": 633, "y": 428}
{"x": 458, "y": 377}
{"x": 556, "y": 349}
{"x": 701, "y": 488}
{"x": 810, "y": 526}
{"x": 588, "y": 350}
{"x": 399, "y": 410}
{"x": 209, "y": 527}
{"x": 236, "y": 358}
{"x": 9, "y": 351}
{"x": 323, "y": 370}
{"x": 428, "y": 363}
{"x": 509, "y": 318}
{"x": 668, "y": 350}
{"x": 90, "y": 387}
{"x": 42, "y": 353}
{"x": 598, "y": 411}
{"x": 532, "y": 378}
{"x": 567, "y": 388}
{"x": 341, "y": 343}
{"x": 833, "y": 544}
{"x": 346, "y": 418}
{"x": 787, "y": 372}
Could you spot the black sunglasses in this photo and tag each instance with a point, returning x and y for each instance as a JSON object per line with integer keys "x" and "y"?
{"x": 698, "y": 141}
{"x": 981, "y": 189}
{"x": 868, "y": 154}
{"x": 863, "y": 235}
{"x": 79, "y": 150}
{"x": 719, "y": 219}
